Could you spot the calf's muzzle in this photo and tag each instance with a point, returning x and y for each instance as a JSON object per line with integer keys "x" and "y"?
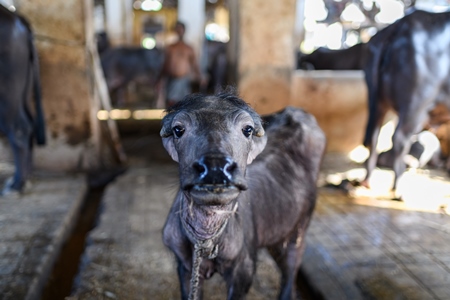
{"x": 217, "y": 179}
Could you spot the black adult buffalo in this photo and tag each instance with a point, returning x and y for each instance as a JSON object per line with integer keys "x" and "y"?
{"x": 242, "y": 187}
{"x": 352, "y": 58}
{"x": 103, "y": 43}
{"x": 121, "y": 65}
{"x": 19, "y": 78}
{"x": 408, "y": 71}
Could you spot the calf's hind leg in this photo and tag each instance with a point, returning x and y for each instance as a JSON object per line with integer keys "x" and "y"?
{"x": 288, "y": 258}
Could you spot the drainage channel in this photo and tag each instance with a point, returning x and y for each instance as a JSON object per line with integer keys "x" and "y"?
{"x": 61, "y": 279}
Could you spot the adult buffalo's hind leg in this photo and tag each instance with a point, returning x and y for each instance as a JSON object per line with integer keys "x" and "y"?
{"x": 414, "y": 106}
{"x": 409, "y": 123}
{"x": 371, "y": 161}
{"x": 20, "y": 141}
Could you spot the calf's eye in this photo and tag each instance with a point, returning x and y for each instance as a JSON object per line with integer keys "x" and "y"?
{"x": 178, "y": 131}
{"x": 247, "y": 130}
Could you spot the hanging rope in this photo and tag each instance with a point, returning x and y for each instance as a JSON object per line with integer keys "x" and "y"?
{"x": 195, "y": 275}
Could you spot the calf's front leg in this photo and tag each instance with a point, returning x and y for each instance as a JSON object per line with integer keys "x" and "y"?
{"x": 239, "y": 278}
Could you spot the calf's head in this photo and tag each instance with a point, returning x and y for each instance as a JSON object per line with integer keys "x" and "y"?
{"x": 213, "y": 138}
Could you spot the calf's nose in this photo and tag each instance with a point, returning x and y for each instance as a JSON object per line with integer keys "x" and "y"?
{"x": 215, "y": 169}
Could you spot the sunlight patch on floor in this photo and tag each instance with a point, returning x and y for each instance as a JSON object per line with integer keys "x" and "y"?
{"x": 420, "y": 190}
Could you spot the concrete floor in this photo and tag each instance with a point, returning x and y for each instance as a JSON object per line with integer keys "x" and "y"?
{"x": 366, "y": 251}
{"x": 368, "y": 247}
{"x": 33, "y": 229}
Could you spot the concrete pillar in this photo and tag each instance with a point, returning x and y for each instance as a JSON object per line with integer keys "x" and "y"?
{"x": 192, "y": 14}
{"x": 64, "y": 37}
{"x": 119, "y": 21}
{"x": 266, "y": 52}
{"x": 233, "y": 44}
{"x": 299, "y": 30}
{"x": 338, "y": 100}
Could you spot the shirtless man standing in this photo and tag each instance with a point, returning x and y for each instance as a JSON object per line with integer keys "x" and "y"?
{"x": 179, "y": 63}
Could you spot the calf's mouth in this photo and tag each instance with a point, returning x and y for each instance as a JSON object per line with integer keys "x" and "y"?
{"x": 204, "y": 222}
{"x": 214, "y": 179}
{"x": 215, "y": 194}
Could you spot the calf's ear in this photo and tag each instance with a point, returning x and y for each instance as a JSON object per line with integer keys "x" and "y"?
{"x": 170, "y": 147}
{"x": 259, "y": 142}
{"x": 167, "y": 139}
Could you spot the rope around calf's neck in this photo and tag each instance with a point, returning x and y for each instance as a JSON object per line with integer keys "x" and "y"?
{"x": 206, "y": 248}
{"x": 203, "y": 248}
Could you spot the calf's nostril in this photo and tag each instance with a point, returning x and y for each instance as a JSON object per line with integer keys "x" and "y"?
{"x": 200, "y": 168}
{"x": 229, "y": 168}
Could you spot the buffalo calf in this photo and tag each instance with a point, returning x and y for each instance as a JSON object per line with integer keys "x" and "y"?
{"x": 245, "y": 183}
